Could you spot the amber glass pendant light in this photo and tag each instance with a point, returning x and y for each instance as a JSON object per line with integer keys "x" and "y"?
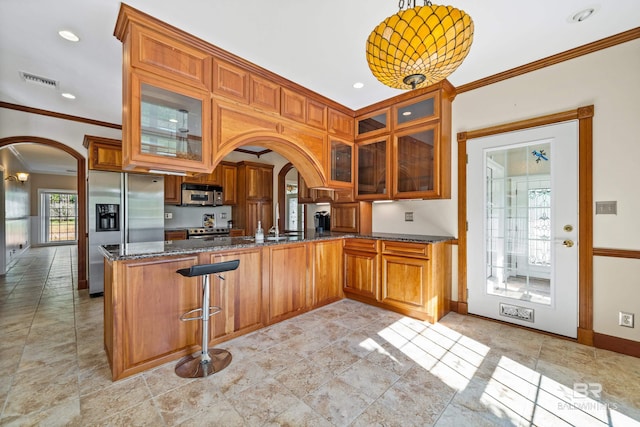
{"x": 419, "y": 45}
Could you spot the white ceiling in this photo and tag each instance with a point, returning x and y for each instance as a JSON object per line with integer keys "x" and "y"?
{"x": 319, "y": 44}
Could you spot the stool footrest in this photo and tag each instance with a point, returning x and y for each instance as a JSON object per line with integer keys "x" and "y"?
{"x": 212, "y": 311}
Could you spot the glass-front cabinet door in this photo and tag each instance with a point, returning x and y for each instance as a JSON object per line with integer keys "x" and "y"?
{"x": 419, "y": 110}
{"x": 415, "y": 171}
{"x": 341, "y": 163}
{"x": 166, "y": 130}
{"x": 372, "y": 172}
{"x": 373, "y": 124}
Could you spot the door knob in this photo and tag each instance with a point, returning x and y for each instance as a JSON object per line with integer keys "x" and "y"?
{"x": 568, "y": 243}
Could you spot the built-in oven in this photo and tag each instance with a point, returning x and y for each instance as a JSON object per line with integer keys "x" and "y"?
{"x": 207, "y": 232}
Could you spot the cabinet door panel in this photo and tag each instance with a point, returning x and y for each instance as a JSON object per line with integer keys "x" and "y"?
{"x": 156, "y": 296}
{"x": 265, "y": 95}
{"x": 404, "y": 282}
{"x": 230, "y": 81}
{"x": 239, "y": 295}
{"x": 327, "y": 272}
{"x": 166, "y": 56}
{"x": 229, "y": 184}
{"x": 361, "y": 273}
{"x": 372, "y": 172}
{"x": 288, "y": 281}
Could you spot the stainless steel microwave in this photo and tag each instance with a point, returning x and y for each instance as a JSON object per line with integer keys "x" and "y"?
{"x": 201, "y": 195}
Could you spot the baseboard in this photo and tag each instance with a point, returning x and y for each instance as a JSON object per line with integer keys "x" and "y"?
{"x": 619, "y": 345}
{"x": 585, "y": 336}
{"x": 463, "y": 308}
{"x": 453, "y": 306}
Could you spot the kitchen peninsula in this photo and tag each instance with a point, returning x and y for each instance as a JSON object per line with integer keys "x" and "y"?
{"x": 276, "y": 280}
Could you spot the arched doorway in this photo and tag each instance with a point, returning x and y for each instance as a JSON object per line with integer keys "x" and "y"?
{"x": 81, "y": 188}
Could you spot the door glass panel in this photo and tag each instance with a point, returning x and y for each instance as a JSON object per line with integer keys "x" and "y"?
{"x": 416, "y": 111}
{"x": 340, "y": 161}
{"x": 171, "y": 124}
{"x": 518, "y": 222}
{"x": 372, "y": 161}
{"x": 372, "y": 123}
{"x": 414, "y": 168}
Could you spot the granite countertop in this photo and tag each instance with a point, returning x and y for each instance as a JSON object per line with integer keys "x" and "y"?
{"x": 128, "y": 251}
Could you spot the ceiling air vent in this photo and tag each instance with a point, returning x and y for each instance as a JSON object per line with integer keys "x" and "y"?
{"x": 42, "y": 81}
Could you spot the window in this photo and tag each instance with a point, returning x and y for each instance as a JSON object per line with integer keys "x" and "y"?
{"x": 59, "y": 216}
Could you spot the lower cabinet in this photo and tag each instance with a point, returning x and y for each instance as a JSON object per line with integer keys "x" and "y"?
{"x": 144, "y": 298}
{"x": 326, "y": 272}
{"x": 410, "y": 278}
{"x": 361, "y": 268}
{"x": 143, "y": 302}
{"x": 287, "y": 288}
{"x": 239, "y": 295}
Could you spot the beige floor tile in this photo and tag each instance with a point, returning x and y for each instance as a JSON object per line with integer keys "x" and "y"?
{"x": 338, "y": 402}
{"x": 120, "y": 396}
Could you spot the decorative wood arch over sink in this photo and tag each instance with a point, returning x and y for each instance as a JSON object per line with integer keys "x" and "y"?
{"x": 307, "y": 166}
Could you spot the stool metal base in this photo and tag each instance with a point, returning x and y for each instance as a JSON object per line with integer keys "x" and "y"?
{"x": 195, "y": 366}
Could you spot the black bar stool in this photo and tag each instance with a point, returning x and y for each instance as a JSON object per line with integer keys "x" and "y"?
{"x": 206, "y": 362}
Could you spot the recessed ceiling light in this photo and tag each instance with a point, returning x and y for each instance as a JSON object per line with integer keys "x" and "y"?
{"x": 68, "y": 35}
{"x": 583, "y": 15}
{"x": 173, "y": 120}
{"x": 69, "y": 95}
{"x": 358, "y": 85}
{"x": 406, "y": 113}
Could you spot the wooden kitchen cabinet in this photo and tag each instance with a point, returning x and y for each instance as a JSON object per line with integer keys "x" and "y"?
{"x": 172, "y": 190}
{"x": 415, "y": 278}
{"x": 373, "y": 169}
{"x": 259, "y": 181}
{"x": 341, "y": 159}
{"x": 351, "y": 217}
{"x": 239, "y": 295}
{"x": 168, "y": 126}
{"x": 229, "y": 176}
{"x": 255, "y": 211}
{"x": 287, "y": 290}
{"x": 105, "y": 154}
{"x": 361, "y": 270}
{"x": 254, "y": 196}
{"x": 152, "y": 296}
{"x": 326, "y": 272}
{"x": 175, "y": 235}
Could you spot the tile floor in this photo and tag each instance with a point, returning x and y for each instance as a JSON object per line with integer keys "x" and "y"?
{"x": 344, "y": 364}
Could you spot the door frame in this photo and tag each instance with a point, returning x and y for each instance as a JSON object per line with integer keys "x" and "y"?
{"x": 584, "y": 115}
{"x": 81, "y": 179}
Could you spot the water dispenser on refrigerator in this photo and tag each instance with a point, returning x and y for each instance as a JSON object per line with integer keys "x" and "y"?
{"x": 107, "y": 217}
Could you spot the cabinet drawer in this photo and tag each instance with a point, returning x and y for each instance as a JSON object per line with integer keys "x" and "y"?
{"x": 420, "y": 250}
{"x": 367, "y": 245}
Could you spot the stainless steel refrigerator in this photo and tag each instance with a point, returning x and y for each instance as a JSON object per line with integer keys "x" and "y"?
{"x": 123, "y": 208}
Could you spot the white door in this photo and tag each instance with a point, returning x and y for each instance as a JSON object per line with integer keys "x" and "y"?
{"x": 522, "y": 213}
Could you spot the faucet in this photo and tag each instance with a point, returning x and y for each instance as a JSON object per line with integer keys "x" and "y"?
{"x": 274, "y": 230}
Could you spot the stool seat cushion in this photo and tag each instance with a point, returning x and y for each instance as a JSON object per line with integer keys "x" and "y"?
{"x": 204, "y": 269}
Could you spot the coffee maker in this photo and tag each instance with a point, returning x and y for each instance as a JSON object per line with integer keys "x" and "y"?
{"x": 322, "y": 221}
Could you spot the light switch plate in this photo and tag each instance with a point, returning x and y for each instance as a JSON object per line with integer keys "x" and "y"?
{"x": 168, "y": 215}
{"x": 408, "y": 216}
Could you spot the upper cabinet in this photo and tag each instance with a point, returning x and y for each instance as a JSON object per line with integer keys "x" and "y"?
{"x": 165, "y": 128}
{"x": 187, "y": 103}
{"x": 105, "y": 154}
{"x": 341, "y": 159}
{"x": 404, "y": 151}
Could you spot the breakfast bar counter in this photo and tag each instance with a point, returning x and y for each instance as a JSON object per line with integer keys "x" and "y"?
{"x": 276, "y": 279}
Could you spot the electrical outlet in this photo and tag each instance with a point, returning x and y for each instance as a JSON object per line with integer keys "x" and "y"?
{"x": 408, "y": 216}
{"x": 223, "y": 215}
{"x": 168, "y": 215}
{"x": 625, "y": 319}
